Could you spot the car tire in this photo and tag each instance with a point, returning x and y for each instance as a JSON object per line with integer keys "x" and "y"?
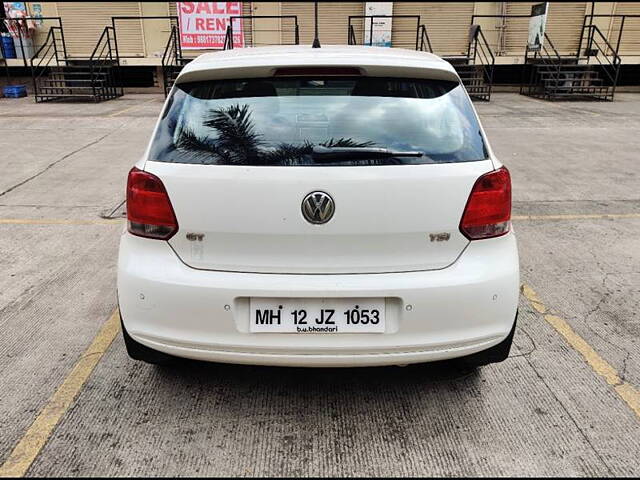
{"x": 495, "y": 354}
{"x": 138, "y": 351}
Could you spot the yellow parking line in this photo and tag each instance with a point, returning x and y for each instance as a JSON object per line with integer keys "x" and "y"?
{"x": 119, "y": 112}
{"x": 576, "y": 217}
{"x": 115, "y": 114}
{"x": 109, "y": 221}
{"x": 35, "y": 438}
{"x": 58, "y": 221}
{"x": 627, "y": 392}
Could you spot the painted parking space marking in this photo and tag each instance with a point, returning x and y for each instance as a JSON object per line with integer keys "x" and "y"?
{"x": 128, "y": 109}
{"x": 587, "y": 216}
{"x": 110, "y": 221}
{"x": 35, "y": 438}
{"x": 627, "y": 392}
{"x": 59, "y": 221}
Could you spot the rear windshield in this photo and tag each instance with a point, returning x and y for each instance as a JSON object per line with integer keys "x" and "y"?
{"x": 285, "y": 121}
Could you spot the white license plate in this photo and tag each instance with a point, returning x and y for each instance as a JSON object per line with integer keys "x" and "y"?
{"x": 317, "y": 315}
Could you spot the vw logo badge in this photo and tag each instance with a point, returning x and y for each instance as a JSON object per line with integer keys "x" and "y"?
{"x": 318, "y": 208}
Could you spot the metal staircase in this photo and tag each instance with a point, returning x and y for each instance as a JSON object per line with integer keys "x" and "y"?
{"x": 475, "y": 68}
{"x": 172, "y": 60}
{"x": 59, "y": 77}
{"x": 552, "y": 76}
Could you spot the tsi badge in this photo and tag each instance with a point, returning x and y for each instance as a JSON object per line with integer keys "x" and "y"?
{"x": 318, "y": 207}
{"x": 440, "y": 237}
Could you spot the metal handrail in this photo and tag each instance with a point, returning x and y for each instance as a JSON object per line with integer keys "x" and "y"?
{"x": 547, "y": 59}
{"x": 171, "y": 56}
{"x": 613, "y": 64}
{"x": 169, "y": 52}
{"x": 105, "y": 32}
{"x": 617, "y": 60}
{"x": 605, "y": 15}
{"x": 102, "y": 57}
{"x": 45, "y": 44}
{"x": 555, "y": 50}
{"x": 352, "y": 36}
{"x": 558, "y": 58}
{"x": 44, "y": 54}
{"x": 424, "y": 39}
{"x": 372, "y": 17}
{"x": 483, "y": 52}
{"x": 228, "y": 39}
{"x": 498, "y": 16}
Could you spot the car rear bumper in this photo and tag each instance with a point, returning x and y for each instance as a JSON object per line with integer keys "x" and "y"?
{"x": 432, "y": 315}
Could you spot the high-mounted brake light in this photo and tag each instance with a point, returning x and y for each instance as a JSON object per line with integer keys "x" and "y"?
{"x": 317, "y": 71}
{"x": 488, "y": 210}
{"x": 149, "y": 210}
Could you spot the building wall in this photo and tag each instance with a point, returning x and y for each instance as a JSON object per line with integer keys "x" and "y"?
{"x": 143, "y": 41}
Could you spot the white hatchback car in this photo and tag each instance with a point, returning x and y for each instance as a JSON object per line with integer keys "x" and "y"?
{"x": 337, "y": 206}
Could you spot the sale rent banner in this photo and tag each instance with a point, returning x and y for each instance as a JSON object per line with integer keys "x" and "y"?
{"x": 203, "y": 25}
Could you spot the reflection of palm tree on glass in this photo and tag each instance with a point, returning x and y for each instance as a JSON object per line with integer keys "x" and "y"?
{"x": 237, "y": 142}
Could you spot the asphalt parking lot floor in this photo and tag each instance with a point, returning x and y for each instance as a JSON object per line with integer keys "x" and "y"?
{"x": 566, "y": 402}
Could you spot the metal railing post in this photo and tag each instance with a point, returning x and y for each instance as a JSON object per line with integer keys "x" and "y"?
{"x": 226, "y": 45}
{"x": 18, "y": 23}
{"x": 615, "y": 82}
{"x": 33, "y": 73}
{"x": 110, "y": 86}
{"x": 584, "y": 23}
{"x": 64, "y": 43}
{"x": 620, "y": 34}
{"x": 33, "y": 79}
{"x": 115, "y": 45}
{"x": 524, "y": 68}
{"x": 93, "y": 86}
{"x": 55, "y": 46}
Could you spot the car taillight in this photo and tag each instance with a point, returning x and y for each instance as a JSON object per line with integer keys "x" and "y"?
{"x": 149, "y": 210}
{"x": 488, "y": 210}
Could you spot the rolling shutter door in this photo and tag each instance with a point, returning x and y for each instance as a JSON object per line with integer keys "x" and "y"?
{"x": 630, "y": 41}
{"x": 304, "y": 12}
{"x": 564, "y": 22}
{"x": 83, "y": 23}
{"x": 564, "y": 25}
{"x": 516, "y": 30}
{"x": 447, "y": 25}
{"x": 333, "y": 20}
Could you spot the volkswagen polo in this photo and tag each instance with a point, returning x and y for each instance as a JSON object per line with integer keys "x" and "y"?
{"x": 336, "y": 206}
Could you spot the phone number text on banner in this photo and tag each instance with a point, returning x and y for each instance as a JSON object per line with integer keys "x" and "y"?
{"x": 203, "y": 25}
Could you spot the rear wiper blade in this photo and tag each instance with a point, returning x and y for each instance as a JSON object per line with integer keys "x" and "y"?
{"x": 358, "y": 153}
